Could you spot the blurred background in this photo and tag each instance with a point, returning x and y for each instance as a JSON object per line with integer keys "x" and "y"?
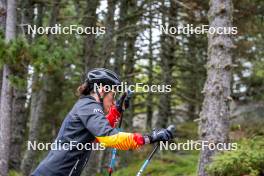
{"x": 47, "y": 69}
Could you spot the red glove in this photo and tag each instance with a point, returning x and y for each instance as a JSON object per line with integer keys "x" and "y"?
{"x": 113, "y": 116}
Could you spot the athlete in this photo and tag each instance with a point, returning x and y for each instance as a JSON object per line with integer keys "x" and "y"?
{"x": 86, "y": 123}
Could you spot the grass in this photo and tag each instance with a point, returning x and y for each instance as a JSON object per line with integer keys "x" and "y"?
{"x": 169, "y": 164}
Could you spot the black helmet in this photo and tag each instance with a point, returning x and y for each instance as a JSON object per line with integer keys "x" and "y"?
{"x": 102, "y": 75}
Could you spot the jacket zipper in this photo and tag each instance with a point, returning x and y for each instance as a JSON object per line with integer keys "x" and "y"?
{"x": 74, "y": 167}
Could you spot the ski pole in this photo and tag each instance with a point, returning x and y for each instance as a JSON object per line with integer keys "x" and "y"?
{"x": 171, "y": 128}
{"x": 114, "y": 151}
{"x": 113, "y": 157}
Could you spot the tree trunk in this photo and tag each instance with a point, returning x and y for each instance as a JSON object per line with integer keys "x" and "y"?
{"x": 1, "y": 80}
{"x": 108, "y": 46}
{"x": 149, "y": 102}
{"x": 38, "y": 101}
{"x": 26, "y": 16}
{"x": 5, "y": 121}
{"x": 6, "y": 100}
{"x": 214, "y": 118}
{"x": 90, "y": 60}
{"x": 168, "y": 45}
{"x": 130, "y": 39}
{"x": 19, "y": 111}
{"x": 18, "y": 126}
{"x": 2, "y": 14}
{"x": 2, "y": 28}
{"x": 90, "y": 57}
{"x": 120, "y": 39}
{"x": 26, "y": 162}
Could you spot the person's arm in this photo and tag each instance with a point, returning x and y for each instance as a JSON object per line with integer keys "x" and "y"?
{"x": 95, "y": 121}
{"x": 122, "y": 140}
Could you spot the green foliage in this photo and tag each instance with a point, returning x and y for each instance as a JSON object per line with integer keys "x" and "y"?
{"x": 248, "y": 159}
{"x": 14, "y": 173}
{"x": 45, "y": 57}
{"x": 16, "y": 55}
{"x": 2, "y": 48}
{"x": 49, "y": 57}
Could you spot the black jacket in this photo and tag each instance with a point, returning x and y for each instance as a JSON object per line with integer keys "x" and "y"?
{"x": 85, "y": 121}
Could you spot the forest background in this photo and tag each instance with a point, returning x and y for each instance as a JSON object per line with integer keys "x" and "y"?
{"x": 217, "y": 81}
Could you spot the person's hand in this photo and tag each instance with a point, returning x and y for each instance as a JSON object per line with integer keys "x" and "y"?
{"x": 160, "y": 135}
{"x": 124, "y": 101}
{"x": 120, "y": 102}
{"x": 127, "y": 99}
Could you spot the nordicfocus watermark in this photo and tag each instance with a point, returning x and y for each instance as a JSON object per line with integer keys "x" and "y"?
{"x": 59, "y": 145}
{"x": 197, "y": 145}
{"x": 203, "y": 29}
{"x": 188, "y": 145}
{"x": 59, "y": 29}
{"x": 138, "y": 87}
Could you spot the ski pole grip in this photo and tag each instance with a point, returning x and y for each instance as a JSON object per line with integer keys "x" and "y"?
{"x": 123, "y": 96}
{"x": 172, "y": 129}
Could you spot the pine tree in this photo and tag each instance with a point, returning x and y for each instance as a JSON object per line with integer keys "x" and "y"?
{"x": 214, "y": 118}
